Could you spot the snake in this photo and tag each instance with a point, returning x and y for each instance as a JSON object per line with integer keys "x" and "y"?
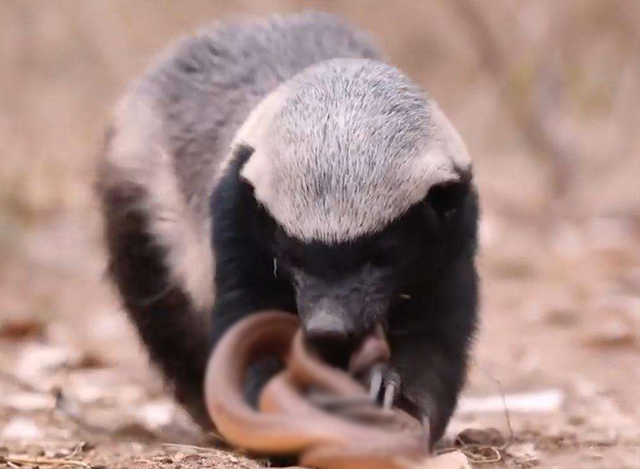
{"x": 286, "y": 421}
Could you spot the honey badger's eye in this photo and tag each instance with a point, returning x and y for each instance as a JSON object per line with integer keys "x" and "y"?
{"x": 446, "y": 198}
{"x": 379, "y": 258}
{"x": 384, "y": 252}
{"x": 294, "y": 260}
{"x": 292, "y": 255}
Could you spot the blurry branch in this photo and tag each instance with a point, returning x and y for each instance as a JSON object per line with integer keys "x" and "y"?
{"x": 19, "y": 383}
{"x": 491, "y": 52}
{"x": 532, "y": 115}
{"x": 108, "y": 36}
{"x": 624, "y": 110}
{"x": 19, "y": 461}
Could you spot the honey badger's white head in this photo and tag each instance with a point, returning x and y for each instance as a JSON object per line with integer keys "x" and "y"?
{"x": 347, "y": 146}
{"x": 344, "y": 157}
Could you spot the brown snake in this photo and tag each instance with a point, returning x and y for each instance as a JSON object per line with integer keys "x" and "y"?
{"x": 287, "y": 422}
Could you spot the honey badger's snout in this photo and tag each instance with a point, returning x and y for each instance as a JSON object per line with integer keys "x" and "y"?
{"x": 336, "y": 318}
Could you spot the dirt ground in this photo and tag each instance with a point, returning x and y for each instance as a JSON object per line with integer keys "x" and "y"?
{"x": 556, "y": 365}
{"x": 560, "y": 327}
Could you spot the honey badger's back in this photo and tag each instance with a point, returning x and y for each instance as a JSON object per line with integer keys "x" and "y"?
{"x": 170, "y": 133}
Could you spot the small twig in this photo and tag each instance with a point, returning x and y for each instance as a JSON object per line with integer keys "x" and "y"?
{"x": 64, "y": 406}
{"x": 78, "y": 448}
{"x": 43, "y": 461}
{"x": 476, "y": 453}
{"x": 471, "y": 452}
{"x": 178, "y": 446}
{"x": 503, "y": 397}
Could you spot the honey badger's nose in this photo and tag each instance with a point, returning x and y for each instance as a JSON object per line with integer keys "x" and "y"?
{"x": 330, "y": 335}
{"x": 324, "y": 326}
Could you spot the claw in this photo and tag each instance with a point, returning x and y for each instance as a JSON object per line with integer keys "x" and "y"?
{"x": 426, "y": 425}
{"x": 376, "y": 383}
{"x": 389, "y": 395}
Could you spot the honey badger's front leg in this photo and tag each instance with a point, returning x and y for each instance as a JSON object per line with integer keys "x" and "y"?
{"x": 429, "y": 353}
{"x": 431, "y": 377}
{"x": 423, "y": 378}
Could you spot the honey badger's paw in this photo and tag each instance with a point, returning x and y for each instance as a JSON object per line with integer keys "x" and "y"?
{"x": 385, "y": 388}
{"x": 384, "y": 385}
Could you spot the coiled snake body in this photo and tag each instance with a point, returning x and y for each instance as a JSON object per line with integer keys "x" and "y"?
{"x": 286, "y": 421}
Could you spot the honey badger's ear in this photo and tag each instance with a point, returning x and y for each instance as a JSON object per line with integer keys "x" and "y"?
{"x": 257, "y": 133}
{"x": 241, "y": 155}
{"x": 257, "y": 171}
{"x": 447, "y": 197}
{"x": 440, "y": 173}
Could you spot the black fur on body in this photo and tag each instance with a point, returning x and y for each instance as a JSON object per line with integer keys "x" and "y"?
{"x": 416, "y": 276}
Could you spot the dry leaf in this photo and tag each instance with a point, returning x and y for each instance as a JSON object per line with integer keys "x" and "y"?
{"x": 481, "y": 436}
{"x": 21, "y": 328}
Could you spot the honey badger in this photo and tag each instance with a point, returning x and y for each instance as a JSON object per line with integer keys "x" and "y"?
{"x": 281, "y": 163}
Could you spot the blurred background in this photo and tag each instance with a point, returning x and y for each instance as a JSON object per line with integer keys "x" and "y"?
{"x": 546, "y": 95}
